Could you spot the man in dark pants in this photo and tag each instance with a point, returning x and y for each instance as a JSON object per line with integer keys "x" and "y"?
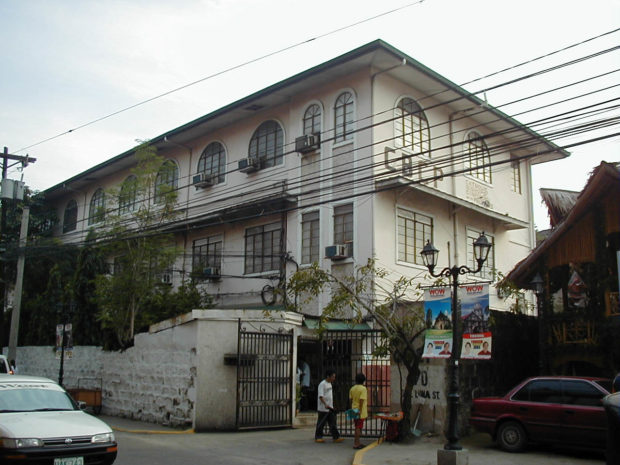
{"x": 325, "y": 409}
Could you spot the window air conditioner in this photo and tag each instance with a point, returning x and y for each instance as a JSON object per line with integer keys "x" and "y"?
{"x": 248, "y": 165}
{"x": 166, "y": 278}
{"x": 337, "y": 251}
{"x": 202, "y": 180}
{"x": 308, "y": 143}
{"x": 211, "y": 272}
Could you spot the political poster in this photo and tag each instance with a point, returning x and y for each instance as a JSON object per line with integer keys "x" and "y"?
{"x": 438, "y": 316}
{"x": 476, "y": 346}
{"x": 64, "y": 332}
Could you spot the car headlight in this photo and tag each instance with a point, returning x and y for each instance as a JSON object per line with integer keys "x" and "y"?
{"x": 20, "y": 443}
{"x": 102, "y": 438}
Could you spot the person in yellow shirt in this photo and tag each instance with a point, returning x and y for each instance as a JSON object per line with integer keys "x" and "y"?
{"x": 359, "y": 400}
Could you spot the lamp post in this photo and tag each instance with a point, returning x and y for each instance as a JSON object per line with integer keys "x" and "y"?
{"x": 429, "y": 253}
{"x": 538, "y": 287}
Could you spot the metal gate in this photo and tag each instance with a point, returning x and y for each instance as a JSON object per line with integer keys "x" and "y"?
{"x": 264, "y": 377}
{"x": 349, "y": 353}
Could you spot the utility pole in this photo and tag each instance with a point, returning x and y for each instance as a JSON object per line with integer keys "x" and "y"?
{"x": 23, "y": 235}
{"x": 9, "y": 192}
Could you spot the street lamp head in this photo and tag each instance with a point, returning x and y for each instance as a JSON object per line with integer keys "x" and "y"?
{"x": 429, "y": 255}
{"x": 482, "y": 247}
{"x": 537, "y": 284}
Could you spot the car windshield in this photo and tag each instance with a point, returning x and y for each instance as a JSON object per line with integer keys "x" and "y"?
{"x": 605, "y": 384}
{"x": 24, "y": 398}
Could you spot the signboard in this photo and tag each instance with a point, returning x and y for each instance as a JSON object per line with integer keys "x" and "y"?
{"x": 69, "y": 340}
{"x": 476, "y": 343}
{"x": 438, "y": 315}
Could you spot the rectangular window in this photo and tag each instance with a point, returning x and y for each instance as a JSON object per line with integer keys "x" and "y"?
{"x": 489, "y": 264}
{"x": 262, "y": 248}
{"x": 207, "y": 253}
{"x": 310, "y": 229}
{"x": 343, "y": 225}
{"x": 414, "y": 229}
{"x": 515, "y": 172}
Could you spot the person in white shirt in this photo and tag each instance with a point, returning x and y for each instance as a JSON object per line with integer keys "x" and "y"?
{"x": 326, "y": 410}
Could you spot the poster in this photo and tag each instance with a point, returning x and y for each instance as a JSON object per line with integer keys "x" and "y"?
{"x": 476, "y": 346}
{"x": 438, "y": 315}
{"x": 68, "y": 342}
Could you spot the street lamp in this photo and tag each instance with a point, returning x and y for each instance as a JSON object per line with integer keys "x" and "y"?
{"x": 538, "y": 288}
{"x": 429, "y": 253}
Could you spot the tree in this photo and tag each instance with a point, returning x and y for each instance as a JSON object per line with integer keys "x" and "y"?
{"x": 366, "y": 293}
{"x": 140, "y": 253}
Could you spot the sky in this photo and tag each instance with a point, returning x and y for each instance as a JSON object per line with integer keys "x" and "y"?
{"x": 69, "y": 67}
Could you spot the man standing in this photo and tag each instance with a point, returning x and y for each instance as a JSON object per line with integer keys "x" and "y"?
{"x": 325, "y": 409}
{"x": 359, "y": 400}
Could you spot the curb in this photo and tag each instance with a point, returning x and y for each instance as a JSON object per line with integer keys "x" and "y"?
{"x": 359, "y": 455}
{"x": 147, "y": 431}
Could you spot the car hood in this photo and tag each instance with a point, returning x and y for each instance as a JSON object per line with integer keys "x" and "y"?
{"x": 50, "y": 424}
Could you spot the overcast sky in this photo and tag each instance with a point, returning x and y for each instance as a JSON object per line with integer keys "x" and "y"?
{"x": 68, "y": 63}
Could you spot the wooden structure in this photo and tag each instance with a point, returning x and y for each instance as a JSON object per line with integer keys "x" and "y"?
{"x": 578, "y": 261}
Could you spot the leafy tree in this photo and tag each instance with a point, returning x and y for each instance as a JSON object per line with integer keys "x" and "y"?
{"x": 364, "y": 293}
{"x": 140, "y": 254}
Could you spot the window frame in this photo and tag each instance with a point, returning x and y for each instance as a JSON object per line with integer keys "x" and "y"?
{"x": 312, "y": 123}
{"x": 477, "y": 155}
{"x": 210, "y": 153}
{"x": 96, "y": 208}
{"x": 267, "y": 259}
{"x": 407, "y": 118}
{"x": 212, "y": 254}
{"x": 341, "y": 218}
{"x": 310, "y": 231}
{"x": 171, "y": 180}
{"x": 415, "y": 217}
{"x": 268, "y": 152}
{"x": 516, "y": 185}
{"x": 74, "y": 211}
{"x": 344, "y": 110}
{"x": 128, "y": 195}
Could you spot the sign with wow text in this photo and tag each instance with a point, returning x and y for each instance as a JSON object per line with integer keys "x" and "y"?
{"x": 476, "y": 343}
{"x": 438, "y": 311}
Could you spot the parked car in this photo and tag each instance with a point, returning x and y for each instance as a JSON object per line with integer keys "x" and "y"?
{"x": 5, "y": 366}
{"x": 549, "y": 409}
{"x": 41, "y": 423}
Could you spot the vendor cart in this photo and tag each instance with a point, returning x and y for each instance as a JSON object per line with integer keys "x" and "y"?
{"x": 88, "y": 391}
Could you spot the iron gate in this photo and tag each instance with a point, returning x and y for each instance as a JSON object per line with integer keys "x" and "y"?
{"x": 264, "y": 377}
{"x": 349, "y": 353}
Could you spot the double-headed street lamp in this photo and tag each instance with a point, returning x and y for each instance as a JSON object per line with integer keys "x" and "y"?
{"x": 429, "y": 253}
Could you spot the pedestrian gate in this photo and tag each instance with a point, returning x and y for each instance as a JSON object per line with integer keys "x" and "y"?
{"x": 349, "y": 353}
{"x": 264, "y": 377}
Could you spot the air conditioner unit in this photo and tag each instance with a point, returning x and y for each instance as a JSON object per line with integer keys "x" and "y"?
{"x": 308, "y": 143}
{"x": 202, "y": 180}
{"x": 166, "y": 278}
{"x": 248, "y": 165}
{"x": 211, "y": 272}
{"x": 337, "y": 251}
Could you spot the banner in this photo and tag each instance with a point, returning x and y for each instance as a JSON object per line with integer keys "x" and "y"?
{"x": 69, "y": 342}
{"x": 476, "y": 346}
{"x": 438, "y": 316}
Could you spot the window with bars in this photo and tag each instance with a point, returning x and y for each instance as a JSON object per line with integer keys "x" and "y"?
{"x": 411, "y": 127}
{"x": 207, "y": 253}
{"x": 414, "y": 229}
{"x": 489, "y": 265}
{"x": 477, "y": 157}
{"x": 262, "y": 248}
{"x": 69, "y": 222}
{"x": 515, "y": 172}
{"x": 312, "y": 119}
{"x": 343, "y": 225}
{"x": 127, "y": 198}
{"x": 310, "y": 231}
{"x": 343, "y": 115}
{"x": 96, "y": 211}
{"x": 267, "y": 144}
{"x": 213, "y": 162}
{"x": 167, "y": 180}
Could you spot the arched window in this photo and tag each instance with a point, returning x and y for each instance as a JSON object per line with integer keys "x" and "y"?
{"x": 411, "y": 127}
{"x": 127, "y": 196}
{"x": 96, "y": 211}
{"x": 267, "y": 144}
{"x": 167, "y": 180}
{"x": 312, "y": 120}
{"x": 343, "y": 115}
{"x": 213, "y": 162}
{"x": 478, "y": 159}
{"x": 69, "y": 222}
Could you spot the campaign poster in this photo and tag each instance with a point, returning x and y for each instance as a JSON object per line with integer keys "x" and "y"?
{"x": 438, "y": 308}
{"x": 474, "y": 308}
{"x": 68, "y": 334}
{"x": 437, "y": 343}
{"x": 476, "y": 346}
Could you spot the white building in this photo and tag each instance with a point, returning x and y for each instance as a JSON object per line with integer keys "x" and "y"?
{"x": 371, "y": 152}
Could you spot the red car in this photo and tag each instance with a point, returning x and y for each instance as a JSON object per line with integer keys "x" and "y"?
{"x": 546, "y": 409}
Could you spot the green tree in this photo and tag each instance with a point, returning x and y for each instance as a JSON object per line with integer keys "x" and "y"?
{"x": 140, "y": 254}
{"x": 392, "y": 307}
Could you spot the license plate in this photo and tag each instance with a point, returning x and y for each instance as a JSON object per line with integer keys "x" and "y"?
{"x": 69, "y": 461}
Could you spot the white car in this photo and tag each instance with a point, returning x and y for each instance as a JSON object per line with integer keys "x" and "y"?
{"x": 40, "y": 423}
{"x": 5, "y": 367}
